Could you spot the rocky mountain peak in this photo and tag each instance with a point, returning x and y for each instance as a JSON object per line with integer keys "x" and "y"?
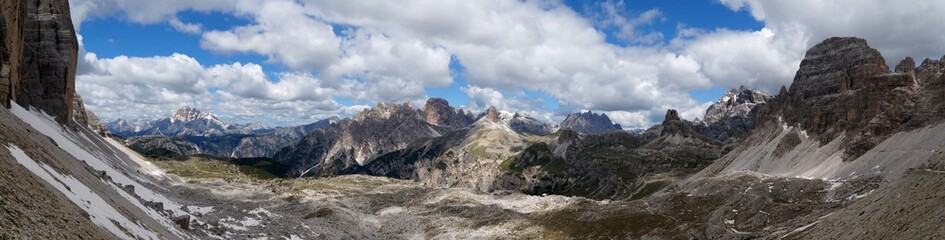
{"x": 385, "y": 111}
{"x": 523, "y": 123}
{"x": 492, "y": 115}
{"x": 187, "y": 114}
{"x": 837, "y": 65}
{"x": 733, "y": 115}
{"x": 844, "y": 87}
{"x": 907, "y": 65}
{"x": 437, "y": 111}
{"x": 673, "y": 124}
{"x": 671, "y": 115}
{"x": 589, "y": 123}
{"x": 86, "y": 118}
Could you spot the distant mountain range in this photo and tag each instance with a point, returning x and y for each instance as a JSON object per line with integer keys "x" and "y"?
{"x": 192, "y": 131}
{"x": 187, "y": 121}
{"x": 440, "y": 145}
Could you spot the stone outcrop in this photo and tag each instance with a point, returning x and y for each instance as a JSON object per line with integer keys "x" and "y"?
{"x": 589, "y": 123}
{"x": 492, "y": 114}
{"x": 86, "y": 118}
{"x": 844, "y": 88}
{"x": 437, "y": 111}
{"x": 523, "y": 123}
{"x": 39, "y": 56}
{"x": 608, "y": 165}
{"x": 382, "y": 129}
{"x": 907, "y": 65}
{"x": 733, "y": 116}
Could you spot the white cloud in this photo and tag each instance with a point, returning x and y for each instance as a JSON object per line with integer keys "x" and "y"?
{"x": 896, "y": 28}
{"x": 613, "y": 14}
{"x": 152, "y": 87}
{"x": 191, "y": 28}
{"x": 282, "y": 32}
{"x": 391, "y": 51}
{"x": 760, "y": 59}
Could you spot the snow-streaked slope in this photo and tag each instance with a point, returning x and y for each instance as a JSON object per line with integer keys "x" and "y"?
{"x": 811, "y": 159}
{"x": 100, "y": 211}
{"x": 100, "y": 155}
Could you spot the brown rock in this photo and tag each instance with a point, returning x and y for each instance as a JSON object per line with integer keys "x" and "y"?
{"x": 843, "y": 87}
{"x": 437, "y": 111}
{"x": 907, "y": 65}
{"x": 492, "y": 114}
{"x": 42, "y": 46}
{"x": 86, "y": 118}
{"x": 183, "y": 222}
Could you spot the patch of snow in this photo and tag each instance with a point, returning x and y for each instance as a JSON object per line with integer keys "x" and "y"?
{"x": 101, "y": 213}
{"x": 199, "y": 209}
{"x": 262, "y": 212}
{"x": 390, "y": 210}
{"x": 250, "y": 222}
{"x": 231, "y": 224}
{"x": 67, "y": 141}
{"x": 519, "y": 203}
{"x": 859, "y": 196}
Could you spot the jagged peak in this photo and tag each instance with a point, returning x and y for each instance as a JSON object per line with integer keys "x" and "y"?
{"x": 671, "y": 115}
{"x": 589, "y": 123}
{"x": 188, "y": 113}
{"x": 492, "y": 114}
{"x": 437, "y": 111}
{"x": 907, "y": 65}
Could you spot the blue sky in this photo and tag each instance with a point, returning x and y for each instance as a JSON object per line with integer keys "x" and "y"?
{"x": 113, "y": 36}
{"x": 285, "y": 62}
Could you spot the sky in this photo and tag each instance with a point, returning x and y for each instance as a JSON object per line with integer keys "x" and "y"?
{"x": 291, "y": 62}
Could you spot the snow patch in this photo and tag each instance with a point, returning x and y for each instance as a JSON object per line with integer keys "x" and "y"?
{"x": 199, "y": 210}
{"x": 69, "y": 142}
{"x": 101, "y": 213}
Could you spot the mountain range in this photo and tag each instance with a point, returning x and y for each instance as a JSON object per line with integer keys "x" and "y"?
{"x": 850, "y": 150}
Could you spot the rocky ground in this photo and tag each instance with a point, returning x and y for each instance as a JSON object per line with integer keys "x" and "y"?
{"x": 743, "y": 205}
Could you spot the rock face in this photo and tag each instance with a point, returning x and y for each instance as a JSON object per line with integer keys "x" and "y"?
{"x": 266, "y": 144}
{"x": 84, "y": 117}
{"x": 843, "y": 88}
{"x": 492, "y": 114}
{"x": 525, "y": 124}
{"x": 382, "y": 129}
{"x": 589, "y": 123}
{"x": 38, "y": 56}
{"x": 466, "y": 158}
{"x": 437, "y": 111}
{"x": 907, "y": 65}
{"x": 730, "y": 119}
{"x": 609, "y": 165}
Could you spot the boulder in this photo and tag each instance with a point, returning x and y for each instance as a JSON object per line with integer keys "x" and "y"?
{"x": 183, "y": 222}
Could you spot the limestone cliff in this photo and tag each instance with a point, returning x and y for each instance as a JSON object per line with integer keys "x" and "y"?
{"x": 39, "y": 49}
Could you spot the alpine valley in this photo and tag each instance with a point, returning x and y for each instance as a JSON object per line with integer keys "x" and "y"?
{"x": 850, "y": 150}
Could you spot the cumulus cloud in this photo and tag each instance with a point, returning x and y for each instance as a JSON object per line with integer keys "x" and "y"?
{"x": 152, "y": 87}
{"x": 282, "y": 32}
{"x": 757, "y": 59}
{"x": 896, "y": 28}
{"x": 613, "y": 14}
{"x": 367, "y": 51}
{"x": 191, "y": 28}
